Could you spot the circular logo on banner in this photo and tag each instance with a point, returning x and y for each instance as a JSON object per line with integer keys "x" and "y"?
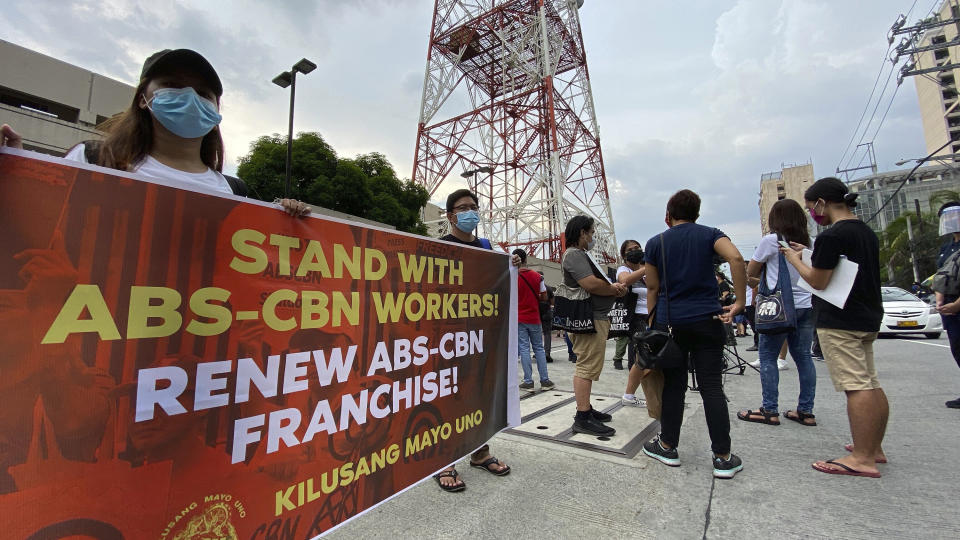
{"x": 207, "y": 519}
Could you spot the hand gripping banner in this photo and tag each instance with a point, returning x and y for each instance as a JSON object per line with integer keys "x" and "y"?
{"x": 177, "y": 364}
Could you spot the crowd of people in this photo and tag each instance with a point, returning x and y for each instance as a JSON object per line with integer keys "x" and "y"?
{"x": 670, "y": 284}
{"x": 674, "y": 284}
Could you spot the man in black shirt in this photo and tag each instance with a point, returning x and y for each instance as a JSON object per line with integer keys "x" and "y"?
{"x": 847, "y": 334}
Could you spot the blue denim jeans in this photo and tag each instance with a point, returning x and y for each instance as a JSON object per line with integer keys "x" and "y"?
{"x": 798, "y": 342}
{"x": 532, "y": 334}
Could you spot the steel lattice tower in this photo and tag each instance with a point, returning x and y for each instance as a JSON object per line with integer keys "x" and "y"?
{"x": 526, "y": 138}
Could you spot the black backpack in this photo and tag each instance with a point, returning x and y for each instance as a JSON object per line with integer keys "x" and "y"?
{"x": 91, "y": 151}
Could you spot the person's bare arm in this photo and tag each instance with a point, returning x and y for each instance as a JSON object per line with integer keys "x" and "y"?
{"x": 629, "y": 278}
{"x": 754, "y": 269}
{"x": 725, "y": 248}
{"x": 601, "y": 287}
{"x": 652, "y": 279}
{"x": 818, "y": 278}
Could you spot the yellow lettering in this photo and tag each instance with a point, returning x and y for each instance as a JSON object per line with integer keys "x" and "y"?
{"x": 68, "y": 321}
{"x": 313, "y": 260}
{"x": 411, "y": 269}
{"x": 388, "y": 306}
{"x": 246, "y": 243}
{"x": 341, "y": 260}
{"x": 284, "y": 245}
{"x": 370, "y": 256}
{"x": 414, "y": 313}
{"x": 200, "y": 306}
{"x": 314, "y": 313}
{"x": 141, "y": 311}
{"x": 270, "y": 310}
{"x": 342, "y": 308}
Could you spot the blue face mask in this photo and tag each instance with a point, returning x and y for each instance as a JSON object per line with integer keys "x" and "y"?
{"x": 184, "y": 112}
{"x": 468, "y": 221}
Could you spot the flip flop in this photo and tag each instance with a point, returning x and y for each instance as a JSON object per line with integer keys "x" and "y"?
{"x": 749, "y": 416}
{"x": 485, "y": 465}
{"x": 800, "y": 417}
{"x": 451, "y": 474}
{"x": 843, "y": 470}
{"x": 849, "y": 448}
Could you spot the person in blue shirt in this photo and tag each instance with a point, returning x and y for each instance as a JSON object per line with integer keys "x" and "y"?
{"x": 682, "y": 287}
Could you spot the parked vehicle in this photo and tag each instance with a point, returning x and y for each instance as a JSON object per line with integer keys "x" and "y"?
{"x": 904, "y": 313}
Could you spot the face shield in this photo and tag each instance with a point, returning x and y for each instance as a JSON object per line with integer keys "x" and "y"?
{"x": 950, "y": 220}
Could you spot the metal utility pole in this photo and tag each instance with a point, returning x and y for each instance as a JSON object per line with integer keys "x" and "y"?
{"x": 873, "y": 161}
{"x": 913, "y": 256}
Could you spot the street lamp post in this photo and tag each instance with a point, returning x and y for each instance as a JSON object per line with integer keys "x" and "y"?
{"x": 283, "y": 80}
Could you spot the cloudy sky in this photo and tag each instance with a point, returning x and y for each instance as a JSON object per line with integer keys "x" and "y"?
{"x": 704, "y": 94}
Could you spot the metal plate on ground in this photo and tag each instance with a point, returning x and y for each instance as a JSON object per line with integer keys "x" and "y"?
{"x": 549, "y": 416}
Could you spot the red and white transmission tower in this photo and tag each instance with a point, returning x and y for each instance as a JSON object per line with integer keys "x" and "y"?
{"x": 526, "y": 139}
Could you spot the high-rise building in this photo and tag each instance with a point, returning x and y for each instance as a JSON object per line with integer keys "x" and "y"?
{"x": 53, "y": 104}
{"x": 937, "y": 91}
{"x": 788, "y": 183}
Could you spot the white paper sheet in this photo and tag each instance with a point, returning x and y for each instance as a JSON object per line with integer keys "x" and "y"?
{"x": 841, "y": 281}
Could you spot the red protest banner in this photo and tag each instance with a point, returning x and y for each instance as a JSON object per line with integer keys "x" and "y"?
{"x": 177, "y": 364}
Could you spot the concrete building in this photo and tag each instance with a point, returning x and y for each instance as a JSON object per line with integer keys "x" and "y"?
{"x": 53, "y": 104}
{"x": 918, "y": 191}
{"x": 937, "y": 91}
{"x": 788, "y": 183}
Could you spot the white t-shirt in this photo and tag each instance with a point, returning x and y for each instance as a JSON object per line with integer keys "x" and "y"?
{"x": 750, "y": 296}
{"x": 210, "y": 180}
{"x": 768, "y": 253}
{"x": 639, "y": 288}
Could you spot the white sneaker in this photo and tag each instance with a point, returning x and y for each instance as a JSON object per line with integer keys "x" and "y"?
{"x": 635, "y": 402}
{"x": 782, "y": 364}
{"x": 754, "y": 364}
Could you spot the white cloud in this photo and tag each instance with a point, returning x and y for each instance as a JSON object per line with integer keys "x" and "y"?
{"x": 709, "y": 96}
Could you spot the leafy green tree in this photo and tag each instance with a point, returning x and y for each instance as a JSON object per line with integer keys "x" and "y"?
{"x": 938, "y": 198}
{"x": 896, "y": 248}
{"x": 366, "y": 186}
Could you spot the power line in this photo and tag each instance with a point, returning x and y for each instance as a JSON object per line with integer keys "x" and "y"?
{"x": 867, "y": 106}
{"x": 876, "y": 107}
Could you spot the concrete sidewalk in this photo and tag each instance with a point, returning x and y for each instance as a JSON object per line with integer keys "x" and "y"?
{"x": 562, "y": 491}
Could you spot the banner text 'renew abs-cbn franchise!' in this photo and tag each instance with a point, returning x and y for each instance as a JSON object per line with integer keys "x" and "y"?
{"x": 259, "y": 373}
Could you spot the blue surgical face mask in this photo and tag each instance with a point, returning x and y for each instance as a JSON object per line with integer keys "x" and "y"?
{"x": 184, "y": 112}
{"x": 467, "y": 221}
{"x": 590, "y": 245}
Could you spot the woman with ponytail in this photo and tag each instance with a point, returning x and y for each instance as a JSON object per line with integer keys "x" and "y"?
{"x": 847, "y": 334}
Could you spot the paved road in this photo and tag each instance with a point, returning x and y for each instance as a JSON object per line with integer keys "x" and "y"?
{"x": 564, "y": 492}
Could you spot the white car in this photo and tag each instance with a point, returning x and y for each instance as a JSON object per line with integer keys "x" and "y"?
{"x": 904, "y": 313}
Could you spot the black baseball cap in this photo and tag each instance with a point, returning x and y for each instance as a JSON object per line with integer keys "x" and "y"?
{"x": 168, "y": 59}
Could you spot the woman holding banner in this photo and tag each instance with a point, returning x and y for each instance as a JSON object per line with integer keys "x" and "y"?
{"x": 170, "y": 131}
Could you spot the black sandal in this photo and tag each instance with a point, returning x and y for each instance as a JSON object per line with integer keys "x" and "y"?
{"x": 452, "y": 473}
{"x": 768, "y": 417}
{"x": 801, "y": 417}
{"x": 485, "y": 465}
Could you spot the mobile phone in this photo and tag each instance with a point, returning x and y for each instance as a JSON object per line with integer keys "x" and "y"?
{"x": 784, "y": 244}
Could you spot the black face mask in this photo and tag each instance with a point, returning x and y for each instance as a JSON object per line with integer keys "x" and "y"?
{"x": 634, "y": 256}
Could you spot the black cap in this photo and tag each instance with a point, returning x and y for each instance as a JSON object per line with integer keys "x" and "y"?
{"x": 182, "y": 59}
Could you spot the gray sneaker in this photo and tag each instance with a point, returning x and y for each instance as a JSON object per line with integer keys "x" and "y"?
{"x": 726, "y": 468}
{"x": 546, "y": 384}
{"x": 635, "y": 402}
{"x": 668, "y": 457}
